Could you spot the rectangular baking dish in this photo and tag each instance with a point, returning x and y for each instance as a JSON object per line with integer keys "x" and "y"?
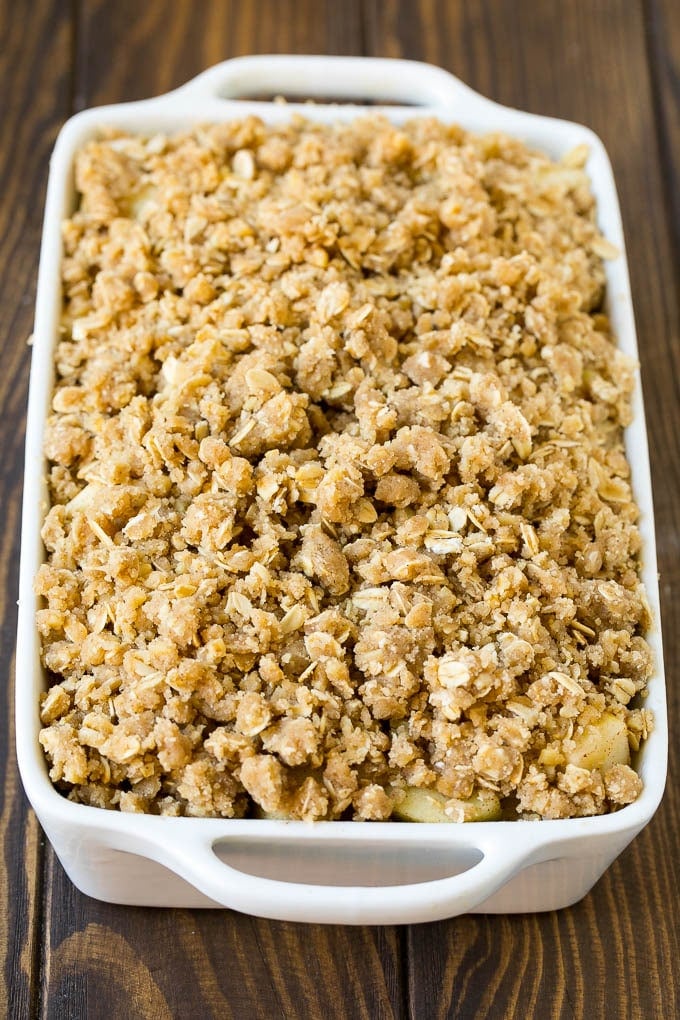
{"x": 334, "y": 872}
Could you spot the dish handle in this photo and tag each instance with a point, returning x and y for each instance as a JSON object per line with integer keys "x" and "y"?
{"x": 359, "y": 79}
{"x": 196, "y": 860}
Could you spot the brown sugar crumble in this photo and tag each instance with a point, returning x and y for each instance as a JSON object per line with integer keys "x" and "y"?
{"x": 341, "y": 522}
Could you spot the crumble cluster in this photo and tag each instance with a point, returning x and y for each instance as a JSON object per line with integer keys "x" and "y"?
{"x": 339, "y": 501}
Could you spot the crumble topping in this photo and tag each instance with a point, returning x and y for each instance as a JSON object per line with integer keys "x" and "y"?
{"x": 341, "y": 521}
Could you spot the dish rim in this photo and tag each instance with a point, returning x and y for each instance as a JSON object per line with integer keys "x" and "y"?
{"x": 210, "y": 97}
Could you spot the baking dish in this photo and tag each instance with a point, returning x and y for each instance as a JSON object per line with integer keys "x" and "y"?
{"x": 335, "y": 872}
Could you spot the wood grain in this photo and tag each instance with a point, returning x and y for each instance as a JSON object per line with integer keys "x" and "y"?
{"x": 662, "y": 19}
{"x": 35, "y": 99}
{"x": 613, "y": 64}
{"x": 586, "y": 62}
{"x": 159, "y": 46}
{"x": 121, "y": 962}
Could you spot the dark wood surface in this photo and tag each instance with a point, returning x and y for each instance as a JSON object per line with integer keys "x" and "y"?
{"x": 612, "y": 64}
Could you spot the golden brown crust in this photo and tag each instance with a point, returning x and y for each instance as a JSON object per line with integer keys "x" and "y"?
{"x": 339, "y": 497}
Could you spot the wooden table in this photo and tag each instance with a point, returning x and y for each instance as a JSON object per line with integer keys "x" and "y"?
{"x": 612, "y": 64}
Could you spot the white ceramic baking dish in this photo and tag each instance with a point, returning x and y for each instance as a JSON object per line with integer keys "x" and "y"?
{"x": 340, "y": 872}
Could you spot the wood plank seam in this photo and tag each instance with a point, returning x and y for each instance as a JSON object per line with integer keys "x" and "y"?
{"x": 656, "y": 61}
{"x": 40, "y": 958}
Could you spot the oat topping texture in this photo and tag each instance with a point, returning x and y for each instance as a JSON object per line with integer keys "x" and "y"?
{"x": 341, "y": 523}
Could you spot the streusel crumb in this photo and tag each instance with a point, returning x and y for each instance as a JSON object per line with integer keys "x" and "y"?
{"x": 341, "y": 521}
